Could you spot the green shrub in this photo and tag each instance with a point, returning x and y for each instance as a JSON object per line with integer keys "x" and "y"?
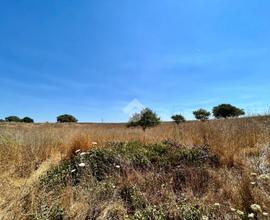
{"x": 150, "y": 212}
{"x": 102, "y": 163}
{"x": 66, "y": 118}
{"x": 227, "y": 110}
{"x": 145, "y": 119}
{"x": 131, "y": 198}
{"x": 133, "y": 153}
{"x": 27, "y": 120}
{"x": 190, "y": 212}
{"x": 178, "y": 118}
{"x": 201, "y": 114}
{"x": 13, "y": 119}
{"x": 49, "y": 213}
{"x": 60, "y": 175}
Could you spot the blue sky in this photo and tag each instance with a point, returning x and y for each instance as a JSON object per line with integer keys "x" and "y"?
{"x": 92, "y": 58}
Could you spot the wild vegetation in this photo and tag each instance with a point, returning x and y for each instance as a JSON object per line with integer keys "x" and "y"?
{"x": 217, "y": 169}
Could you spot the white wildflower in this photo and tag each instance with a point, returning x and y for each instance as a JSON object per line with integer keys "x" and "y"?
{"x": 253, "y": 183}
{"x": 239, "y": 212}
{"x": 72, "y": 171}
{"x": 251, "y": 215}
{"x": 204, "y": 217}
{"x": 82, "y": 165}
{"x": 82, "y": 154}
{"x": 78, "y": 151}
{"x": 94, "y": 143}
{"x": 217, "y": 205}
{"x": 233, "y": 209}
{"x": 256, "y": 208}
{"x": 117, "y": 166}
{"x": 253, "y": 174}
{"x": 265, "y": 214}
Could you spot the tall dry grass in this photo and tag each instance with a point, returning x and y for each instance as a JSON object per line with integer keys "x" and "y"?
{"x": 23, "y": 147}
{"x": 241, "y": 144}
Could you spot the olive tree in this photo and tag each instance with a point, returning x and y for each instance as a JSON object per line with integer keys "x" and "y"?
{"x": 201, "y": 114}
{"x": 12, "y": 119}
{"x": 145, "y": 119}
{"x": 178, "y": 118}
{"x": 227, "y": 110}
{"x": 66, "y": 118}
{"x": 27, "y": 120}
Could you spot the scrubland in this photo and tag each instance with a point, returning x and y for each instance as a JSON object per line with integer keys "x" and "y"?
{"x": 217, "y": 169}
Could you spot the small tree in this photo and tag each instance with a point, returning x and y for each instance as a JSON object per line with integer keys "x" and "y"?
{"x": 145, "y": 119}
{"x": 12, "y": 119}
{"x": 178, "y": 118}
{"x": 66, "y": 118}
{"x": 27, "y": 120}
{"x": 201, "y": 114}
{"x": 227, "y": 110}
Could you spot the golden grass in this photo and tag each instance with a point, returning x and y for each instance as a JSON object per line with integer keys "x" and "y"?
{"x": 24, "y": 148}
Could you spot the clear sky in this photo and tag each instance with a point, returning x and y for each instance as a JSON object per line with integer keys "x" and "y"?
{"x": 92, "y": 58}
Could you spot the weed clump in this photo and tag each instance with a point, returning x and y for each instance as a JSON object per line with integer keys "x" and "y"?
{"x": 102, "y": 163}
{"x": 131, "y": 198}
{"x": 49, "y": 213}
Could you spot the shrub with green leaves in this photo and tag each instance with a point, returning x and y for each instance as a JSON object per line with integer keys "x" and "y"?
{"x": 13, "y": 119}
{"x": 190, "y": 212}
{"x": 178, "y": 118}
{"x": 145, "y": 119}
{"x": 150, "y": 212}
{"x": 49, "y": 213}
{"x": 131, "y": 198}
{"x": 102, "y": 163}
{"x": 201, "y": 114}
{"x": 27, "y": 120}
{"x": 66, "y": 118}
{"x": 227, "y": 110}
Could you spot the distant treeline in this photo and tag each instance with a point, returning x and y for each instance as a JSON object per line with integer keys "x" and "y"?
{"x": 148, "y": 118}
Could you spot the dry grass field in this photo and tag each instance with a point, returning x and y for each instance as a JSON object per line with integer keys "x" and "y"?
{"x": 197, "y": 170}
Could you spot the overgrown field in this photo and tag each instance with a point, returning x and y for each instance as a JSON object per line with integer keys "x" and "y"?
{"x": 216, "y": 169}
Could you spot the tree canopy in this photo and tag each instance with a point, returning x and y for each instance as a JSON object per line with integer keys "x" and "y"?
{"x": 12, "y": 119}
{"x": 66, "y": 118}
{"x": 178, "y": 118}
{"x": 27, "y": 120}
{"x": 145, "y": 119}
{"x": 201, "y": 114}
{"x": 227, "y": 110}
